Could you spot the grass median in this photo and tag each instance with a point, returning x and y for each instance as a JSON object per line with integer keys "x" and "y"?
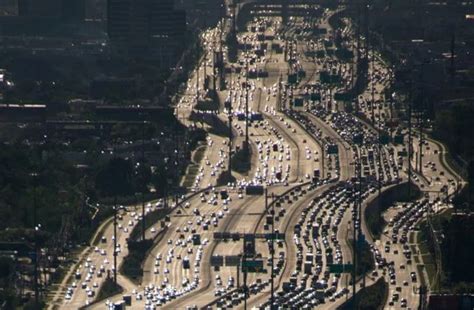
{"x": 132, "y": 263}
{"x": 369, "y": 298}
{"x": 374, "y": 211}
{"x": 365, "y": 258}
{"x": 108, "y": 289}
{"x": 241, "y": 160}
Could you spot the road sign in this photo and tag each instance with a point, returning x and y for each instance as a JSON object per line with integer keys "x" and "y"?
{"x": 254, "y": 190}
{"x": 399, "y": 138}
{"x": 222, "y": 235}
{"x": 226, "y": 235}
{"x": 217, "y": 260}
{"x": 315, "y": 97}
{"x": 252, "y": 263}
{"x": 298, "y": 102}
{"x": 358, "y": 139}
{"x": 342, "y": 97}
{"x": 252, "y": 266}
{"x": 384, "y": 138}
{"x": 332, "y": 149}
{"x": 232, "y": 260}
{"x": 275, "y": 236}
{"x": 247, "y": 237}
{"x": 249, "y": 245}
{"x": 340, "y": 268}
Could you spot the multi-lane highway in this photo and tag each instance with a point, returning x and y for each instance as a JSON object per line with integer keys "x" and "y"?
{"x": 319, "y": 160}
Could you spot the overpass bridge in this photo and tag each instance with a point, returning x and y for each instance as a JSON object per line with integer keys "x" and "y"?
{"x": 243, "y": 11}
{"x": 284, "y": 9}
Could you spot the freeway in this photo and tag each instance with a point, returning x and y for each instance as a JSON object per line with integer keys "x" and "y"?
{"x": 319, "y": 159}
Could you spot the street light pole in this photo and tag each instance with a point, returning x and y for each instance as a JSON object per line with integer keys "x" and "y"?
{"x": 272, "y": 297}
{"x": 115, "y": 239}
{"x": 230, "y": 128}
{"x": 246, "y": 101}
{"x": 197, "y": 70}
{"x": 35, "y": 237}
{"x": 409, "y": 140}
{"x": 143, "y": 180}
{"x": 421, "y": 114}
{"x": 372, "y": 85}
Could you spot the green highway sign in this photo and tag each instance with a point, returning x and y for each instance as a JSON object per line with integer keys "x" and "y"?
{"x": 217, "y": 260}
{"x": 340, "y": 268}
{"x": 298, "y": 102}
{"x": 275, "y": 236}
{"x": 271, "y": 236}
{"x": 252, "y": 266}
{"x": 315, "y": 96}
{"x": 232, "y": 260}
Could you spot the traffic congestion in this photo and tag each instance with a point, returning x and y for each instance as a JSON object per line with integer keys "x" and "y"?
{"x": 321, "y": 163}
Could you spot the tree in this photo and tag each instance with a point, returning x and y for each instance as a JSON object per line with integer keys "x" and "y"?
{"x": 116, "y": 178}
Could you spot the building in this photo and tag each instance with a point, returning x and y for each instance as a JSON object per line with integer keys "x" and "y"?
{"x": 73, "y": 10}
{"x": 44, "y": 18}
{"x": 146, "y": 28}
{"x": 167, "y": 29}
{"x": 451, "y": 302}
{"x": 68, "y": 10}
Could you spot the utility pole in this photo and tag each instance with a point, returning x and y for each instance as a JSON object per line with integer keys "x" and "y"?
{"x": 367, "y": 34}
{"x": 205, "y": 64}
{"x": 358, "y": 54}
{"x": 245, "y": 277}
{"x": 197, "y": 70}
{"x": 410, "y": 98}
{"x": 234, "y": 27}
{"x": 359, "y": 231}
{"x": 246, "y": 103}
{"x": 453, "y": 47}
{"x": 272, "y": 249}
{"x": 354, "y": 239}
{"x": 115, "y": 239}
{"x": 391, "y": 102}
{"x": 422, "y": 300}
{"x": 373, "y": 86}
{"x": 420, "y": 120}
{"x": 230, "y": 128}
{"x": 35, "y": 237}
{"x": 143, "y": 177}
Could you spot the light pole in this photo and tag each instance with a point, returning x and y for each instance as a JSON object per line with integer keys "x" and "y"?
{"x": 143, "y": 180}
{"x": 409, "y": 150}
{"x": 115, "y": 239}
{"x": 230, "y": 126}
{"x": 246, "y": 101}
{"x": 272, "y": 249}
{"x": 34, "y": 175}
